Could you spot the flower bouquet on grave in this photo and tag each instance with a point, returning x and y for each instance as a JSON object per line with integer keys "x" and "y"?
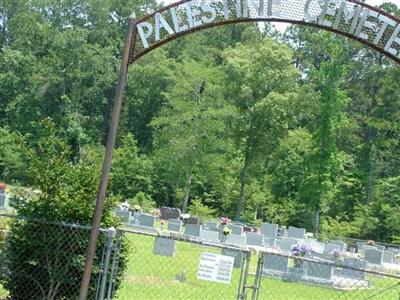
{"x": 224, "y": 221}
{"x": 184, "y": 218}
{"x": 2, "y": 187}
{"x": 226, "y": 230}
{"x": 299, "y": 251}
{"x": 337, "y": 255}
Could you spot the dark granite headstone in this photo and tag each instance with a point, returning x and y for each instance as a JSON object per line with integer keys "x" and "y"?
{"x": 169, "y": 213}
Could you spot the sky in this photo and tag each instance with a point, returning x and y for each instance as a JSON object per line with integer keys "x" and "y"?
{"x": 282, "y": 26}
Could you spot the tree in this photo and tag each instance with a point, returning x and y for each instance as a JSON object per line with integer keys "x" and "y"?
{"x": 260, "y": 82}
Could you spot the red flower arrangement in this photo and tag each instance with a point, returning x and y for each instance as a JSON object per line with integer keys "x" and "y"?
{"x": 2, "y": 186}
{"x": 224, "y": 220}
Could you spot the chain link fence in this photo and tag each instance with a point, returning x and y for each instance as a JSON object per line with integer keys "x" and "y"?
{"x": 283, "y": 276}
{"x": 44, "y": 260}
{"x": 168, "y": 266}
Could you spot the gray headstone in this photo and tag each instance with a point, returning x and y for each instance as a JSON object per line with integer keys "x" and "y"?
{"x": 282, "y": 232}
{"x": 237, "y": 254}
{"x": 387, "y": 257}
{"x": 319, "y": 270}
{"x": 341, "y": 244}
{"x": 167, "y": 213}
{"x": 269, "y": 230}
{"x": 174, "y": 225}
{"x": 329, "y": 248}
{"x": 297, "y": 233}
{"x": 380, "y": 247}
{"x": 354, "y": 263}
{"x": 209, "y": 236}
{"x": 286, "y": 244}
{"x": 270, "y": 241}
{"x": 364, "y": 247}
{"x": 124, "y": 216}
{"x": 210, "y": 225}
{"x": 163, "y": 246}
{"x": 237, "y": 240}
{"x": 193, "y": 220}
{"x": 254, "y": 239}
{"x": 146, "y": 220}
{"x": 3, "y": 201}
{"x": 192, "y": 230}
{"x": 236, "y": 229}
{"x": 373, "y": 256}
{"x": 275, "y": 263}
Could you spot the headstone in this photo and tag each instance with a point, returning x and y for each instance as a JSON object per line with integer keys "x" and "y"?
{"x": 353, "y": 263}
{"x": 210, "y": 224}
{"x": 270, "y": 241}
{"x": 167, "y": 213}
{"x": 237, "y": 254}
{"x": 316, "y": 246}
{"x": 236, "y": 229}
{"x": 387, "y": 257}
{"x": 341, "y": 244}
{"x": 254, "y": 239}
{"x": 192, "y": 230}
{"x": 379, "y": 247}
{"x": 174, "y": 225}
{"x": 297, "y": 233}
{"x": 275, "y": 264}
{"x": 123, "y": 215}
{"x": 364, "y": 247}
{"x": 319, "y": 270}
{"x": 146, "y": 220}
{"x": 269, "y": 230}
{"x": 3, "y": 200}
{"x": 209, "y": 236}
{"x": 286, "y": 244}
{"x": 193, "y": 220}
{"x": 164, "y": 247}
{"x": 373, "y": 256}
{"x": 235, "y": 239}
{"x": 329, "y": 248}
{"x": 282, "y": 232}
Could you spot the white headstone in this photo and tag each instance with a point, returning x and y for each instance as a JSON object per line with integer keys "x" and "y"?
{"x": 209, "y": 236}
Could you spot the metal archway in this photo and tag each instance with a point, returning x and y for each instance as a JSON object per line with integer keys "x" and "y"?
{"x": 351, "y": 18}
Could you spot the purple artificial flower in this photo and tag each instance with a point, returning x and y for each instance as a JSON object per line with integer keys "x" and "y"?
{"x": 301, "y": 250}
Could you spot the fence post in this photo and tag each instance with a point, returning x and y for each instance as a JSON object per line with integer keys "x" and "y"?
{"x": 257, "y": 280}
{"x": 110, "y": 235}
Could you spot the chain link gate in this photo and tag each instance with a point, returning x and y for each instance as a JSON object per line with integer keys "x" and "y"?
{"x": 151, "y": 276}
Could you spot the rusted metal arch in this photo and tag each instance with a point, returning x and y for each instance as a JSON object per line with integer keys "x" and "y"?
{"x": 133, "y": 58}
{"x": 132, "y": 53}
{"x": 135, "y": 53}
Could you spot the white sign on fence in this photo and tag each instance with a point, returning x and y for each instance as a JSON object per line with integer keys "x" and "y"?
{"x": 215, "y": 267}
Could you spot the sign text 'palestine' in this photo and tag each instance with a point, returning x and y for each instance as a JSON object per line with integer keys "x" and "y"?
{"x": 339, "y": 15}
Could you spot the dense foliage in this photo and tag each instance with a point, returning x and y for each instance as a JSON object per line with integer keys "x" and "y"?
{"x": 300, "y": 128}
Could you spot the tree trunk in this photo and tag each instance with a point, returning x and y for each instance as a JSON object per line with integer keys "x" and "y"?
{"x": 371, "y": 172}
{"x": 242, "y": 187}
{"x": 187, "y": 188}
{"x": 316, "y": 221}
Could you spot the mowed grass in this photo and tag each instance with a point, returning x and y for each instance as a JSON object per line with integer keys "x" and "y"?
{"x": 150, "y": 276}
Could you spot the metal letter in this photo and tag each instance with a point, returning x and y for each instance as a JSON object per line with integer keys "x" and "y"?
{"x": 208, "y": 9}
{"x": 386, "y": 21}
{"x": 393, "y": 39}
{"x": 365, "y": 24}
{"x": 145, "y": 35}
{"x": 175, "y": 20}
{"x": 161, "y": 23}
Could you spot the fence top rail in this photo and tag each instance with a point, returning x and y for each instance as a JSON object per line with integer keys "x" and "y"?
{"x": 64, "y": 224}
{"x": 329, "y": 263}
{"x": 181, "y": 238}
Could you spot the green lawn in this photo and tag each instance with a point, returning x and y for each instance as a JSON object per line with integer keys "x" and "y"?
{"x": 150, "y": 276}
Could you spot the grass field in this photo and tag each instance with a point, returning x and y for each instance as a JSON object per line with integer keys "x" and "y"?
{"x": 150, "y": 276}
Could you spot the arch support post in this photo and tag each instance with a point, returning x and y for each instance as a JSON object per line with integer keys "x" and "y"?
{"x": 112, "y": 134}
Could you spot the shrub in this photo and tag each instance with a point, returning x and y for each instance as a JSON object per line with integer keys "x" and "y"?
{"x": 42, "y": 260}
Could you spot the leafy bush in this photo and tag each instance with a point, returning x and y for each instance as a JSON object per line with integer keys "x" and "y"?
{"x": 197, "y": 208}
{"x": 40, "y": 259}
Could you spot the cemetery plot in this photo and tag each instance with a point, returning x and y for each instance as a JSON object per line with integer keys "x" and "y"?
{"x": 152, "y": 274}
